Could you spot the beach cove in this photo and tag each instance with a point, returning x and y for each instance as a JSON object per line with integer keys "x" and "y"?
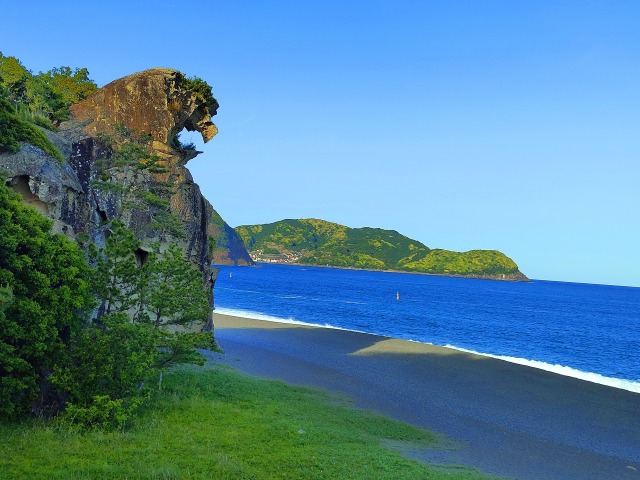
{"x": 590, "y": 332}
{"x": 502, "y": 418}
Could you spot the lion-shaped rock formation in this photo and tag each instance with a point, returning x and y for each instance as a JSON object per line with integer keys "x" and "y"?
{"x": 156, "y": 104}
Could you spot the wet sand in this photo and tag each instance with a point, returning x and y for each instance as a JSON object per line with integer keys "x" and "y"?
{"x": 502, "y": 418}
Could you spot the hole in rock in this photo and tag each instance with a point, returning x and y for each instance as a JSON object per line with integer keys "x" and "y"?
{"x": 188, "y": 140}
{"x": 20, "y": 184}
{"x": 141, "y": 256}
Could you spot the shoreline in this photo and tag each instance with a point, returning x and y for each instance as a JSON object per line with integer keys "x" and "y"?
{"x": 628, "y": 385}
{"x": 518, "y": 277}
{"x": 501, "y": 418}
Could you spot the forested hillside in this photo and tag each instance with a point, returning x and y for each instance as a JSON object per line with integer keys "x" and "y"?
{"x": 318, "y": 242}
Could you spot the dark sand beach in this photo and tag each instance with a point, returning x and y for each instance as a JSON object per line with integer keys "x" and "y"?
{"x": 502, "y": 418}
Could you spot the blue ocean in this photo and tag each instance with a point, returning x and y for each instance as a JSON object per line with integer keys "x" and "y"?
{"x": 591, "y": 332}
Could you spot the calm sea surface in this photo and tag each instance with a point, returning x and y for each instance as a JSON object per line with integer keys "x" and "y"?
{"x": 586, "y": 331}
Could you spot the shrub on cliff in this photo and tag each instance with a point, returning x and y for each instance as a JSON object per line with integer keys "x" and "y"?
{"x": 14, "y": 130}
{"x": 127, "y": 173}
{"x": 203, "y": 90}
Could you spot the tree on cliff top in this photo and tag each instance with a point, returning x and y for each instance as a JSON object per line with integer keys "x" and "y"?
{"x": 48, "y": 94}
{"x": 67, "y": 87}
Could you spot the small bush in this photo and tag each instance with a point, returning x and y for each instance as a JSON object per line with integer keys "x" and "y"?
{"x": 14, "y": 130}
{"x": 102, "y": 413}
{"x": 202, "y": 90}
{"x": 37, "y": 117}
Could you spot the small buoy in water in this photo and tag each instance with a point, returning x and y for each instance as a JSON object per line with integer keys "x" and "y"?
{"x": 230, "y": 274}
{"x": 397, "y": 295}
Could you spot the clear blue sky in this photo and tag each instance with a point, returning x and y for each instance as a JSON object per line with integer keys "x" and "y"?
{"x": 508, "y": 125}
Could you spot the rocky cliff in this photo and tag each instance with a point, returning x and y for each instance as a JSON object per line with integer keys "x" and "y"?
{"x": 135, "y": 119}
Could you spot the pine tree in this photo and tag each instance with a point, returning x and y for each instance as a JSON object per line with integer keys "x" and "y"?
{"x": 176, "y": 294}
{"x": 115, "y": 276}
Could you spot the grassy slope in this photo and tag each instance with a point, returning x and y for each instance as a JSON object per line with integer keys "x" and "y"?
{"x": 14, "y": 129}
{"x": 325, "y": 243}
{"x": 221, "y": 424}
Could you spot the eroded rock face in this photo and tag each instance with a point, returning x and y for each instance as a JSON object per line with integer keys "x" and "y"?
{"x": 47, "y": 186}
{"x": 155, "y": 102}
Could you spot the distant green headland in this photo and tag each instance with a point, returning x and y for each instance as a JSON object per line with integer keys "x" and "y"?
{"x": 318, "y": 242}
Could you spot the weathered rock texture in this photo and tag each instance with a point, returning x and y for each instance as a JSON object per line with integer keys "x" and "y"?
{"x": 154, "y": 102}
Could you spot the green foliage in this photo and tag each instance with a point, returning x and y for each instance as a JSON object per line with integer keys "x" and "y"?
{"x": 115, "y": 277}
{"x": 153, "y": 199}
{"x": 317, "y": 242}
{"x": 128, "y": 174}
{"x": 27, "y": 100}
{"x": 46, "y": 300}
{"x": 130, "y": 149}
{"x": 202, "y": 90}
{"x": 114, "y": 357}
{"x": 49, "y": 94}
{"x": 473, "y": 262}
{"x": 13, "y": 78}
{"x": 111, "y": 359}
{"x": 66, "y": 87}
{"x": 14, "y": 129}
{"x": 102, "y": 412}
{"x": 175, "y": 290}
{"x": 116, "y": 364}
{"x": 51, "y": 356}
{"x": 180, "y": 348}
{"x": 218, "y": 423}
{"x": 6, "y": 297}
{"x": 165, "y": 290}
{"x": 35, "y": 116}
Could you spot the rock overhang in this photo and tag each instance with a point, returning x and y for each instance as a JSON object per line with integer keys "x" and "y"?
{"x": 157, "y": 102}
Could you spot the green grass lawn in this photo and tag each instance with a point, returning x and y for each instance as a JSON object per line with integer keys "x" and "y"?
{"x": 216, "y": 423}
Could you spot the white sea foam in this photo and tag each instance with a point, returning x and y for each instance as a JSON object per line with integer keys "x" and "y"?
{"x": 269, "y": 318}
{"x": 240, "y": 290}
{"x": 630, "y": 385}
